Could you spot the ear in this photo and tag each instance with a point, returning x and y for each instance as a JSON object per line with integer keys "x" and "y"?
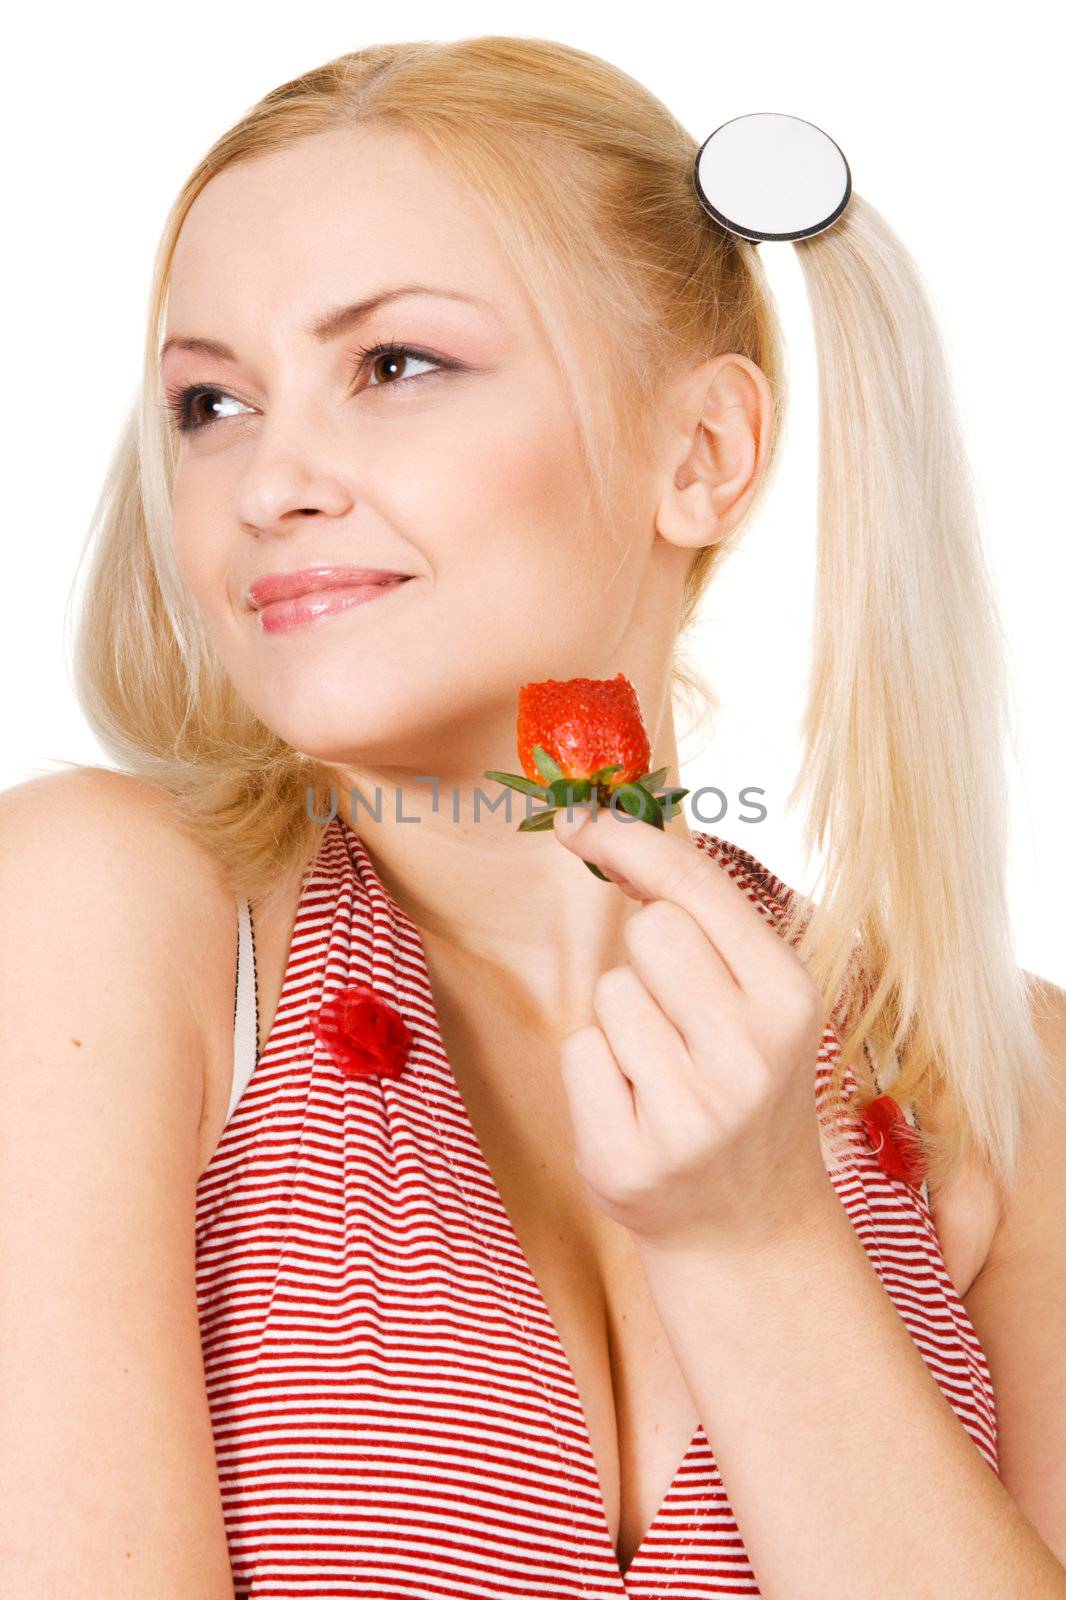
{"x": 719, "y": 421}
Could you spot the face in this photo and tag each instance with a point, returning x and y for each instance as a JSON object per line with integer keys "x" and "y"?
{"x": 450, "y": 457}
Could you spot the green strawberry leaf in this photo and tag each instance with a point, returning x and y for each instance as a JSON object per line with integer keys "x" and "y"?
{"x": 636, "y": 800}
{"x": 538, "y": 823}
{"x": 652, "y": 780}
{"x": 523, "y": 785}
{"x": 572, "y": 789}
{"x": 547, "y": 764}
{"x": 656, "y": 816}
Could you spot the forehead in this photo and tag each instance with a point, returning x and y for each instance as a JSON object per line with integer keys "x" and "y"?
{"x": 326, "y": 220}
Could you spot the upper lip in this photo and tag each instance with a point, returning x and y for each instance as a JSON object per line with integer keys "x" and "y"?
{"x": 287, "y": 585}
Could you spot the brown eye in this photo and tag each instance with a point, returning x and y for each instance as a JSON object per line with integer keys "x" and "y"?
{"x": 202, "y": 407}
{"x": 391, "y": 364}
{"x": 198, "y": 407}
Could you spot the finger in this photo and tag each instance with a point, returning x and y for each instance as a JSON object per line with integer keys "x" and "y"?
{"x": 682, "y": 973}
{"x": 664, "y": 866}
{"x": 602, "y": 1108}
{"x": 647, "y": 1048}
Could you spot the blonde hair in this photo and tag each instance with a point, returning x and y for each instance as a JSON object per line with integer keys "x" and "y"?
{"x": 586, "y": 179}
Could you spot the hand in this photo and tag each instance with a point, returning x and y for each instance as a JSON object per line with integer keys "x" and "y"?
{"x": 692, "y": 1101}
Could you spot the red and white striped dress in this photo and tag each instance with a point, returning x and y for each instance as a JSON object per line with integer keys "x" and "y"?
{"x": 393, "y": 1411}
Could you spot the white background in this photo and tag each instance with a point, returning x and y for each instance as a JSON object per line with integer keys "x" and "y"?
{"x": 950, "y": 126}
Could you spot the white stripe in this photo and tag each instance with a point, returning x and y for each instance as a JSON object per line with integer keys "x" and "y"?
{"x": 245, "y": 1023}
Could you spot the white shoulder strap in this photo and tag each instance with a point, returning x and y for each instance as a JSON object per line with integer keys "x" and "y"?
{"x": 245, "y": 1009}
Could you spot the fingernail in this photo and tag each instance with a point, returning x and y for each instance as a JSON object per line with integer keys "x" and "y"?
{"x": 568, "y": 823}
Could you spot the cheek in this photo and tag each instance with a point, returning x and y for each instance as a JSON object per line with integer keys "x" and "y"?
{"x": 199, "y": 555}
{"x": 515, "y": 486}
{"x": 539, "y": 560}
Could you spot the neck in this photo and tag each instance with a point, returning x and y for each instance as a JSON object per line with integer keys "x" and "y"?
{"x": 488, "y": 896}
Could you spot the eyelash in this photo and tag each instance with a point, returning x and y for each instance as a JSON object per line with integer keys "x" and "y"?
{"x": 178, "y": 400}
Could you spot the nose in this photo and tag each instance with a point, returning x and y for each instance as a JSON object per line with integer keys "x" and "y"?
{"x": 281, "y": 486}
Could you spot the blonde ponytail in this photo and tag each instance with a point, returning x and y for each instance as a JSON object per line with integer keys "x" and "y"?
{"x": 908, "y": 712}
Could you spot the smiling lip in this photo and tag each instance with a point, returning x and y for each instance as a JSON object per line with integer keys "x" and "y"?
{"x": 288, "y": 585}
{"x": 311, "y": 605}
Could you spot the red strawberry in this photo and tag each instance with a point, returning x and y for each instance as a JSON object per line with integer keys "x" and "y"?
{"x": 584, "y": 741}
{"x": 584, "y": 724}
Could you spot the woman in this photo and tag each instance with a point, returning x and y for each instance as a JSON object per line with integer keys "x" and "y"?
{"x": 579, "y": 1302}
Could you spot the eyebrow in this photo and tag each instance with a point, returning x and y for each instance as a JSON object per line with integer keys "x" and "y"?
{"x": 332, "y": 323}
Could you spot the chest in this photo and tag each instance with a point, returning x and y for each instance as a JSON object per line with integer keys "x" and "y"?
{"x": 637, "y": 1408}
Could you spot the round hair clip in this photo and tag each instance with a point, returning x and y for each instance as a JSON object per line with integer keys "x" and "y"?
{"x": 771, "y": 176}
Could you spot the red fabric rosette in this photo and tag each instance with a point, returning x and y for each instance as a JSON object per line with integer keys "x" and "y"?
{"x": 894, "y": 1141}
{"x": 366, "y": 1036}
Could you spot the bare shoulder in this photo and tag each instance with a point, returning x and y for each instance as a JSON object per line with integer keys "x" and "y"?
{"x": 97, "y": 851}
{"x": 101, "y": 1076}
{"x": 95, "y": 817}
{"x": 98, "y": 809}
{"x": 971, "y": 1214}
{"x": 1033, "y": 1208}
{"x": 1045, "y": 1121}
{"x": 1049, "y": 1016}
